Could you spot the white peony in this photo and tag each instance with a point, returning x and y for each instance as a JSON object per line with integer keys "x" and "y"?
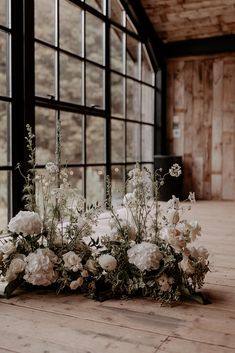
{"x": 17, "y": 266}
{"x": 25, "y": 222}
{"x": 145, "y": 256}
{"x": 75, "y": 284}
{"x": 107, "y": 262}
{"x": 72, "y": 261}
{"x": 39, "y": 268}
{"x": 7, "y": 249}
{"x": 165, "y": 282}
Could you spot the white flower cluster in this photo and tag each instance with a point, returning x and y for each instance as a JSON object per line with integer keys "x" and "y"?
{"x": 26, "y": 223}
{"x": 107, "y": 262}
{"x": 145, "y": 256}
{"x": 175, "y": 170}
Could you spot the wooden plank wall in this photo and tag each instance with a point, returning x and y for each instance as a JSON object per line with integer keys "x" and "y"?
{"x": 201, "y": 100}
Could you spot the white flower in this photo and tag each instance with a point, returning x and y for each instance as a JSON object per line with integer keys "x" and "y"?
{"x": 51, "y": 167}
{"x": 39, "y": 268}
{"x": 165, "y": 282}
{"x": 25, "y": 222}
{"x": 201, "y": 254}
{"x": 186, "y": 265}
{"x": 72, "y": 261}
{"x": 17, "y": 266}
{"x": 172, "y": 236}
{"x": 191, "y": 197}
{"x": 75, "y": 284}
{"x": 107, "y": 262}
{"x": 175, "y": 170}
{"x": 145, "y": 256}
{"x": 195, "y": 229}
{"x": 84, "y": 273}
{"x": 7, "y": 249}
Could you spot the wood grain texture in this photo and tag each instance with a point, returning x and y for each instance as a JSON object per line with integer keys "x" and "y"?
{"x": 206, "y": 88}
{"x": 41, "y": 322}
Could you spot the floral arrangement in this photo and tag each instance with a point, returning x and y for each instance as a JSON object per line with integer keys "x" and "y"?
{"x": 147, "y": 252}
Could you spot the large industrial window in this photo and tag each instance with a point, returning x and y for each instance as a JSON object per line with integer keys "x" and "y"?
{"x": 86, "y": 67}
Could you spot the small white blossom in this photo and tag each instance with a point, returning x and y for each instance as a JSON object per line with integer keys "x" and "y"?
{"x": 107, "y": 262}
{"x": 72, "y": 261}
{"x": 25, "y": 222}
{"x": 175, "y": 170}
{"x": 145, "y": 256}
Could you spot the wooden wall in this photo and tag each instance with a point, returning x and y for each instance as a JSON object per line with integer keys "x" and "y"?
{"x": 201, "y": 102}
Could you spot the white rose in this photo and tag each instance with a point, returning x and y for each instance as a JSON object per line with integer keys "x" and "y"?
{"x": 39, "y": 268}
{"x": 72, "y": 261}
{"x": 25, "y": 222}
{"x": 75, "y": 284}
{"x": 7, "y": 249}
{"x": 17, "y": 266}
{"x": 107, "y": 262}
{"x": 145, "y": 256}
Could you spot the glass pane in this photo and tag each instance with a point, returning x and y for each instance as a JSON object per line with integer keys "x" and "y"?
{"x": 147, "y": 104}
{"x": 3, "y": 12}
{"x": 76, "y": 180}
{"x": 5, "y": 188}
{"x": 3, "y": 64}
{"x": 44, "y": 71}
{"x": 70, "y": 27}
{"x": 118, "y": 184}
{"x": 132, "y": 50}
{"x": 71, "y": 138}
{"x": 94, "y": 86}
{"x": 45, "y": 137}
{"x": 95, "y": 132}
{"x": 129, "y": 25}
{"x": 147, "y": 143}
{"x": 95, "y": 181}
{"x": 116, "y": 11}
{"x": 118, "y": 141}
{"x": 116, "y": 48}
{"x": 44, "y": 15}
{"x": 97, "y": 4}
{"x": 147, "y": 71}
{"x": 4, "y": 133}
{"x": 70, "y": 79}
{"x": 133, "y": 100}
{"x": 117, "y": 95}
{"x": 133, "y": 142}
{"x": 94, "y": 38}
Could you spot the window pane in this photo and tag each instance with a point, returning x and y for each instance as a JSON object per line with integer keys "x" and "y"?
{"x": 118, "y": 184}
{"x": 116, "y": 11}
{"x": 133, "y": 142}
{"x": 5, "y": 188}
{"x": 95, "y": 181}
{"x": 45, "y": 20}
{"x": 147, "y": 104}
{"x": 45, "y": 137}
{"x": 97, "y": 4}
{"x": 117, "y": 95}
{"x": 4, "y": 133}
{"x": 116, "y": 48}
{"x": 76, "y": 180}
{"x": 129, "y": 25}
{"x": 3, "y": 64}
{"x": 147, "y": 71}
{"x": 95, "y": 131}
{"x": 70, "y": 27}
{"x": 118, "y": 141}
{"x": 132, "y": 50}
{"x": 70, "y": 79}
{"x": 133, "y": 100}
{"x": 44, "y": 71}
{"x": 71, "y": 138}
{"x": 147, "y": 143}
{"x": 94, "y": 38}
{"x": 94, "y": 86}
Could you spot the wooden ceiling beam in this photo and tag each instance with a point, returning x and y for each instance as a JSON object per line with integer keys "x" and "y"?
{"x": 202, "y": 46}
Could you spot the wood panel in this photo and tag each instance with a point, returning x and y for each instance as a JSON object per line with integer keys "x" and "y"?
{"x": 205, "y": 88}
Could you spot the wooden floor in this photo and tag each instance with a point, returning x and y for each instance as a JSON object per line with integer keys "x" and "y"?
{"x": 45, "y": 323}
